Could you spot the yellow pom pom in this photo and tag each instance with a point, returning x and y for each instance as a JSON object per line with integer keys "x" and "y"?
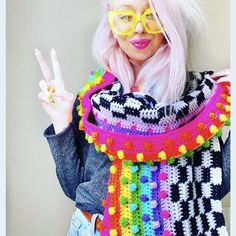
{"x": 162, "y": 155}
{"x": 103, "y": 148}
{"x": 90, "y": 139}
{"x": 111, "y": 189}
{"x": 183, "y": 149}
{"x": 200, "y": 139}
{"x": 223, "y": 118}
{"x": 113, "y": 169}
{"x": 86, "y": 87}
{"x": 80, "y": 112}
{"x": 227, "y": 108}
{"x": 213, "y": 129}
{"x": 120, "y": 154}
{"x": 140, "y": 156}
{"x": 111, "y": 210}
{"x": 228, "y": 99}
{"x": 113, "y": 232}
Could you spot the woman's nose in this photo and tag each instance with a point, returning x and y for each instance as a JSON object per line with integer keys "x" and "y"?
{"x": 139, "y": 29}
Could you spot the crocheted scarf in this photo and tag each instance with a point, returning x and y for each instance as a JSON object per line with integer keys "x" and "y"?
{"x": 165, "y": 177}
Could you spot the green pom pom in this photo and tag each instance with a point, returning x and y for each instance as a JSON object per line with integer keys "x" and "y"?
{"x": 171, "y": 160}
{"x": 227, "y": 122}
{"x": 189, "y": 154}
{"x": 219, "y": 133}
{"x": 123, "y": 200}
{"x": 78, "y": 108}
{"x": 124, "y": 180}
{"x": 112, "y": 158}
{"x": 207, "y": 144}
{"x": 97, "y": 148}
{"x": 124, "y": 222}
{"x": 150, "y": 163}
{"x": 126, "y": 163}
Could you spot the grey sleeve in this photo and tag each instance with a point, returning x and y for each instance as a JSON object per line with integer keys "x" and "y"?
{"x": 68, "y": 149}
{"x": 225, "y": 188}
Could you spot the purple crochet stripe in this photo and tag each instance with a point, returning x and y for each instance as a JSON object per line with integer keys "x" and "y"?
{"x": 119, "y": 129}
{"x": 155, "y": 195}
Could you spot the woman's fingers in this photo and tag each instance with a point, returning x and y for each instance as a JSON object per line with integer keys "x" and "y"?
{"x": 56, "y": 68}
{"x": 49, "y": 98}
{"x": 51, "y": 88}
{"x": 43, "y": 65}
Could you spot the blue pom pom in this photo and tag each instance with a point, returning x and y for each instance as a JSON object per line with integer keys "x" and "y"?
{"x": 133, "y": 187}
{"x": 134, "y": 169}
{"x": 144, "y": 198}
{"x": 133, "y": 206}
{"x": 134, "y": 229}
{"x": 144, "y": 179}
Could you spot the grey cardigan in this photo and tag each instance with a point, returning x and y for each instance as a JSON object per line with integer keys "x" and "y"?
{"x": 83, "y": 173}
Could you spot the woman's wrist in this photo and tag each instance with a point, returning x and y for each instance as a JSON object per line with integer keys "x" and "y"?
{"x": 59, "y": 126}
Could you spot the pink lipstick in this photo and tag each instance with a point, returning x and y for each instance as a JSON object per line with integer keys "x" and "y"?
{"x": 140, "y": 43}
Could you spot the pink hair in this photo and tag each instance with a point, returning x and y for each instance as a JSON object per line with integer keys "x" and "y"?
{"x": 163, "y": 76}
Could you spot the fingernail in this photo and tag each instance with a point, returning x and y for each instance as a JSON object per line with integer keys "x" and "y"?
{"x": 36, "y": 50}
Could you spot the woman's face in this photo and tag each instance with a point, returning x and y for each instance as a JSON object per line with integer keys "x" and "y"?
{"x": 147, "y": 44}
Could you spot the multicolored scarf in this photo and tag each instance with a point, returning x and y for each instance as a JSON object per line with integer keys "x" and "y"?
{"x": 165, "y": 177}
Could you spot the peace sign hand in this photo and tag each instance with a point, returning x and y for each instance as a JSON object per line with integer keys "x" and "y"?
{"x": 56, "y": 101}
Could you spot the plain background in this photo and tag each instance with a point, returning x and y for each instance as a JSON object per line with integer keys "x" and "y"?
{"x": 36, "y": 205}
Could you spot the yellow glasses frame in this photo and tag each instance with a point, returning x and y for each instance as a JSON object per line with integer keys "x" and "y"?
{"x": 136, "y": 20}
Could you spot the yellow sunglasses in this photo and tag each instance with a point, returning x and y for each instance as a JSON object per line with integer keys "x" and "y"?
{"x": 124, "y": 22}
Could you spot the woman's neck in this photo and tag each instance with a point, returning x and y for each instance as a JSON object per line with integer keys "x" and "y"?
{"x": 136, "y": 67}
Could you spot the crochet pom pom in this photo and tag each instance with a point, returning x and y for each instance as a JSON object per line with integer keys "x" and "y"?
{"x": 153, "y": 204}
{"x": 144, "y": 198}
{"x": 113, "y": 232}
{"x": 133, "y": 187}
{"x": 163, "y": 176}
{"x": 144, "y": 179}
{"x": 167, "y": 233}
{"x": 124, "y": 180}
{"x": 111, "y": 210}
{"x": 165, "y": 214}
{"x": 124, "y": 222}
{"x": 163, "y": 194}
{"x": 134, "y": 229}
{"x": 133, "y": 207}
{"x": 145, "y": 218}
{"x": 156, "y": 224}
{"x": 113, "y": 169}
{"x": 123, "y": 200}
{"x": 134, "y": 169}
{"x": 153, "y": 185}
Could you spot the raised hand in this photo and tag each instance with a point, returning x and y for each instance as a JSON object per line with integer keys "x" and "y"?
{"x": 56, "y": 101}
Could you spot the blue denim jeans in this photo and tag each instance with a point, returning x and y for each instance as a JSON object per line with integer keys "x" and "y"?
{"x": 80, "y": 226}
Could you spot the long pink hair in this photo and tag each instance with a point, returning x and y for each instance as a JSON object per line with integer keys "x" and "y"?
{"x": 163, "y": 76}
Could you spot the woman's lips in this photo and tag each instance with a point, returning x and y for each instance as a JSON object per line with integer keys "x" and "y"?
{"x": 140, "y": 43}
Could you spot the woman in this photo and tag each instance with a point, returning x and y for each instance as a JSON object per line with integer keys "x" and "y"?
{"x": 149, "y": 138}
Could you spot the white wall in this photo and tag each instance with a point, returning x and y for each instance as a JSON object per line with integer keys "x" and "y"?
{"x": 36, "y": 205}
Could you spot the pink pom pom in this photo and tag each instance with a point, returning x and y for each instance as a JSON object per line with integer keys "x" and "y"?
{"x": 167, "y": 233}
{"x": 165, "y": 214}
{"x": 163, "y": 176}
{"x": 163, "y": 194}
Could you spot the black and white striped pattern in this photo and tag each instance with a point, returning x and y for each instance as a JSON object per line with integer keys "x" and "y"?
{"x": 194, "y": 193}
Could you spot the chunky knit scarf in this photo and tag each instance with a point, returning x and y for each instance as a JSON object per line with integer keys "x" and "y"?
{"x": 165, "y": 177}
